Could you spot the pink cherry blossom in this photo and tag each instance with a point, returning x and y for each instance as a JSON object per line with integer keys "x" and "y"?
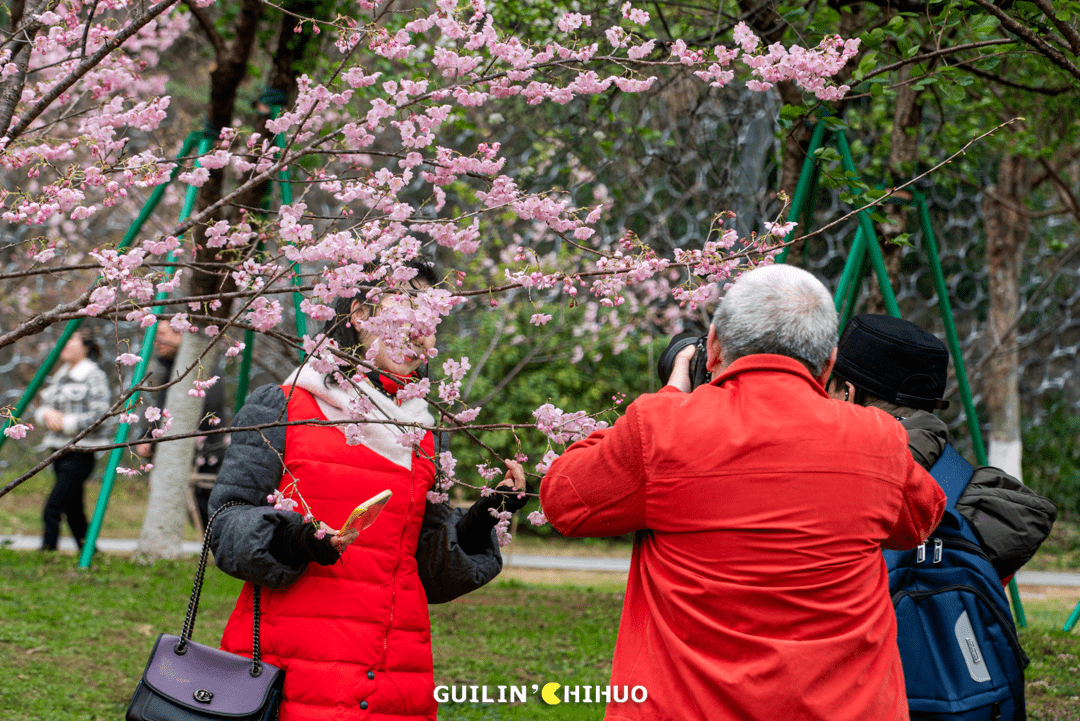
{"x": 18, "y": 430}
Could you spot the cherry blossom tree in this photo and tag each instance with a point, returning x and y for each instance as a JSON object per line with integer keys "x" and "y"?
{"x": 367, "y": 140}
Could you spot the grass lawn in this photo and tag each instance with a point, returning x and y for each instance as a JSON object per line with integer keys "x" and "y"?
{"x": 73, "y": 643}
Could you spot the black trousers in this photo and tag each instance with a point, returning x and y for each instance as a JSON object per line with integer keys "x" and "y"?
{"x": 66, "y": 498}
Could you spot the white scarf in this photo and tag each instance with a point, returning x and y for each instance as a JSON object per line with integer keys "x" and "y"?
{"x": 333, "y": 401}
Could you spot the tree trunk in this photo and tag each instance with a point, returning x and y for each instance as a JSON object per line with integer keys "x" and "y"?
{"x": 225, "y": 81}
{"x": 166, "y": 509}
{"x": 903, "y": 152}
{"x": 163, "y": 526}
{"x": 1006, "y": 235}
{"x": 164, "y": 523}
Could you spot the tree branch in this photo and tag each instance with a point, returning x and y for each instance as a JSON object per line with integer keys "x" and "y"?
{"x": 43, "y": 320}
{"x": 86, "y": 65}
{"x": 1067, "y": 31}
{"x": 1015, "y": 27}
{"x": 1052, "y": 92}
{"x": 914, "y": 180}
{"x": 1064, "y": 191}
{"x": 13, "y": 88}
{"x": 938, "y": 53}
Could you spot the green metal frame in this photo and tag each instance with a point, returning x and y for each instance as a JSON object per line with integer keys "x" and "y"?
{"x": 145, "y": 353}
{"x": 205, "y": 142}
{"x": 1073, "y": 618}
{"x": 73, "y": 325}
{"x": 865, "y": 247}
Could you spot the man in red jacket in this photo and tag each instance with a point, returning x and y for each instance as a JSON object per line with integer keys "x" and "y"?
{"x": 757, "y": 589}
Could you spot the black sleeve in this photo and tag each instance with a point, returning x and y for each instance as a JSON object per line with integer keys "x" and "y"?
{"x": 446, "y": 569}
{"x": 298, "y": 546}
{"x": 475, "y": 526}
{"x": 243, "y": 535}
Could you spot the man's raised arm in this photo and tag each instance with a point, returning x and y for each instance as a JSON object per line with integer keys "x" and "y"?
{"x": 597, "y": 487}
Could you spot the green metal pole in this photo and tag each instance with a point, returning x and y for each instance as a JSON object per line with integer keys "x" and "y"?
{"x": 244, "y": 379}
{"x": 853, "y": 296}
{"x": 919, "y": 200}
{"x": 810, "y": 207}
{"x": 950, "y": 329}
{"x": 1072, "y": 619}
{"x": 877, "y": 260}
{"x": 852, "y": 266}
{"x": 73, "y": 325}
{"x": 146, "y": 352}
{"x": 806, "y": 178}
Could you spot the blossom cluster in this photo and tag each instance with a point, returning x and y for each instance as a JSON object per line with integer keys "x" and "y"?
{"x": 387, "y": 182}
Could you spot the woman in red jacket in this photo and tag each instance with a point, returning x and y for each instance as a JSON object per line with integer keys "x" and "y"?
{"x": 346, "y": 615}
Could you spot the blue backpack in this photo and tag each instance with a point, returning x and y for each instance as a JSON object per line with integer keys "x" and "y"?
{"x": 961, "y": 656}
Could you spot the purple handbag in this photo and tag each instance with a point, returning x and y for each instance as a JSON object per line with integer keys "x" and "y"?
{"x": 187, "y": 681}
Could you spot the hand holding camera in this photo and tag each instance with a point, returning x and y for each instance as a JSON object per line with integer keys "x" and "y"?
{"x": 682, "y": 364}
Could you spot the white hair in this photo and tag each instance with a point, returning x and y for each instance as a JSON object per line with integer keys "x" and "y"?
{"x": 778, "y": 309}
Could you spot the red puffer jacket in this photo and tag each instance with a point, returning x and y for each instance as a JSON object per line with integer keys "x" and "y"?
{"x": 354, "y": 638}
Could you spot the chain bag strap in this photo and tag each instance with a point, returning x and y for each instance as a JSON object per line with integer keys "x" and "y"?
{"x": 188, "y": 681}
{"x": 196, "y": 591}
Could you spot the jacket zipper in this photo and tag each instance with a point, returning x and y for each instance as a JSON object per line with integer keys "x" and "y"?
{"x": 397, "y": 564}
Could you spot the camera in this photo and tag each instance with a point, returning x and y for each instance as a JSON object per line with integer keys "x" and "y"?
{"x": 698, "y": 373}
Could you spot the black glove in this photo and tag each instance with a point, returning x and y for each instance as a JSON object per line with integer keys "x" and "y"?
{"x": 295, "y": 544}
{"x": 474, "y": 528}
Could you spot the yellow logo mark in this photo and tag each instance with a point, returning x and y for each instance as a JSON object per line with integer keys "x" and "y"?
{"x": 548, "y": 694}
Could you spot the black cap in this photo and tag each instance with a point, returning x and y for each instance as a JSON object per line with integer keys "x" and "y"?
{"x": 895, "y": 360}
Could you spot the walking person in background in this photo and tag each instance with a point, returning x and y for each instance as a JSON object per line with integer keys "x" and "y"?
{"x": 76, "y": 395}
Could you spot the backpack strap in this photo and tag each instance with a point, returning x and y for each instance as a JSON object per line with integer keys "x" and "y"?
{"x": 952, "y": 473}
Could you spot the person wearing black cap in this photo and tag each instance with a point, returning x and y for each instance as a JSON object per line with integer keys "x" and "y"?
{"x": 895, "y": 365}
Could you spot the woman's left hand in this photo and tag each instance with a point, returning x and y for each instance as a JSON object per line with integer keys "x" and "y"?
{"x": 515, "y": 476}
{"x": 340, "y": 541}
